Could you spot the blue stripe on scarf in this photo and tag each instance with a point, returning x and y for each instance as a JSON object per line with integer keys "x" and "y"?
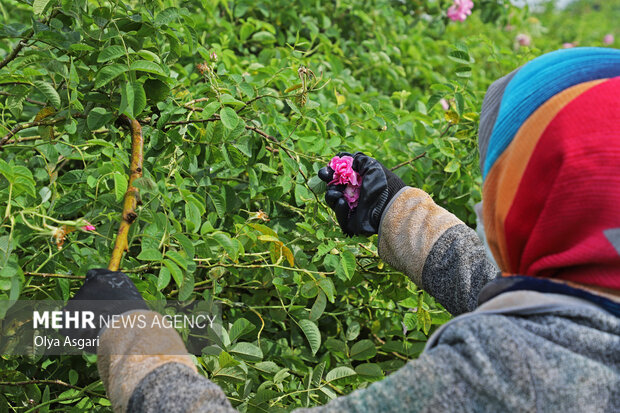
{"x": 540, "y": 80}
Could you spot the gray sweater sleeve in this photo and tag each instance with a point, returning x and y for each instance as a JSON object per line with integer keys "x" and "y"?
{"x": 435, "y": 249}
{"x": 562, "y": 360}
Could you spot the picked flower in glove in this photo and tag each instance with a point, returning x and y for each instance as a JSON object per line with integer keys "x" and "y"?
{"x": 345, "y": 175}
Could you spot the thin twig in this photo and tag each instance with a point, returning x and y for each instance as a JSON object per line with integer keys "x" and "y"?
{"x": 22, "y": 43}
{"x": 34, "y": 102}
{"x": 15, "y": 51}
{"x": 132, "y": 194}
{"x": 59, "y": 382}
{"x": 400, "y": 165}
{"x": 52, "y": 275}
{"x": 27, "y": 125}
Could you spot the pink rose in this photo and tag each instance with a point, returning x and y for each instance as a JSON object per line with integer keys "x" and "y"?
{"x": 444, "y": 104}
{"x": 523, "y": 39}
{"x": 352, "y": 195}
{"x": 608, "y": 39}
{"x": 88, "y": 227}
{"x": 343, "y": 171}
{"x": 460, "y": 9}
{"x": 568, "y": 45}
{"x": 345, "y": 175}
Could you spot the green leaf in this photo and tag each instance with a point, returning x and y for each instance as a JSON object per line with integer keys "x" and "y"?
{"x": 312, "y": 333}
{"x": 146, "y": 66}
{"x": 120, "y": 186}
{"x": 193, "y": 217}
{"x": 38, "y": 6}
{"x": 369, "y": 370}
{"x": 318, "y": 307}
{"x": 363, "y": 350}
{"x": 110, "y": 53}
{"x": 327, "y": 285}
{"x": 166, "y": 16}
{"x": 460, "y": 56}
{"x": 48, "y": 90}
{"x": 186, "y": 243}
{"x": 339, "y": 373}
{"x": 156, "y": 90}
{"x": 229, "y": 117}
{"x": 370, "y": 111}
{"x": 227, "y": 243}
{"x": 109, "y": 73}
{"x": 164, "y": 278}
{"x": 240, "y": 327}
{"x": 150, "y": 254}
{"x": 452, "y": 166}
{"x": 424, "y": 320}
{"x": 247, "y": 351}
{"x": 210, "y": 109}
{"x": 348, "y": 263}
{"x": 97, "y": 118}
{"x": 177, "y": 258}
{"x": 176, "y": 272}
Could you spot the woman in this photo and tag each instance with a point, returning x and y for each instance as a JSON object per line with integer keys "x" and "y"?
{"x": 545, "y": 336}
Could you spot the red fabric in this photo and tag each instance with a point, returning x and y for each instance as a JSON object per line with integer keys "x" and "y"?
{"x": 570, "y": 194}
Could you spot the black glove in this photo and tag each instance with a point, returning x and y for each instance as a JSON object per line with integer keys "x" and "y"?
{"x": 105, "y": 293}
{"x": 379, "y": 185}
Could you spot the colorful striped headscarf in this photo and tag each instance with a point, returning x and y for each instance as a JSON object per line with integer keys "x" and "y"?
{"x": 550, "y": 157}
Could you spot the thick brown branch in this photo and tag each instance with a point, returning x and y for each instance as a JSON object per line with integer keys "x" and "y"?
{"x": 132, "y": 196}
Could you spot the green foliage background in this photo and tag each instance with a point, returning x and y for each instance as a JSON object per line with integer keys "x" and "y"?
{"x": 241, "y": 103}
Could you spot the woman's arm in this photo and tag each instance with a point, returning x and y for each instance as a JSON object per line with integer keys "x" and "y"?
{"x": 435, "y": 249}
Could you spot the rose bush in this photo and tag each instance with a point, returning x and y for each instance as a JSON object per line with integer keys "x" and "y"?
{"x": 241, "y": 103}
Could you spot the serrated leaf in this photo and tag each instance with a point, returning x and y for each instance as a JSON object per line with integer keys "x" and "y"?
{"x": 48, "y": 90}
{"x": 340, "y": 373}
{"x": 110, "y": 53}
{"x": 166, "y": 16}
{"x": 229, "y": 117}
{"x": 312, "y": 333}
{"x": 366, "y": 107}
{"x": 460, "y": 56}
